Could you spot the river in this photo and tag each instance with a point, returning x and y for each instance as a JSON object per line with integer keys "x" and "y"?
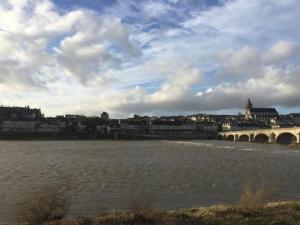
{"x": 111, "y": 175}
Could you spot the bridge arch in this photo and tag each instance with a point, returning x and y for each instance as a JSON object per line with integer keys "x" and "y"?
{"x": 221, "y": 137}
{"x": 244, "y": 138}
{"x": 286, "y": 138}
{"x": 261, "y": 138}
{"x": 230, "y": 137}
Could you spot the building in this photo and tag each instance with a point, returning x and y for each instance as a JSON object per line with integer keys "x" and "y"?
{"x": 234, "y": 125}
{"x": 207, "y": 127}
{"x": 133, "y": 126}
{"x": 260, "y": 114}
{"x": 295, "y": 118}
{"x": 19, "y": 126}
{"x": 172, "y": 127}
{"x": 48, "y": 127}
{"x": 20, "y": 113}
{"x": 105, "y": 116}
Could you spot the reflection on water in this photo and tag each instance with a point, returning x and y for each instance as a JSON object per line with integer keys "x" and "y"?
{"x": 110, "y": 175}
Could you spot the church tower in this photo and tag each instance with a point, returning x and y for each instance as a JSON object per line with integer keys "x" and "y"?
{"x": 249, "y": 104}
{"x": 248, "y": 108}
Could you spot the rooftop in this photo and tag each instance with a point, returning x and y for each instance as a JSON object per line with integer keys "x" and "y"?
{"x": 263, "y": 110}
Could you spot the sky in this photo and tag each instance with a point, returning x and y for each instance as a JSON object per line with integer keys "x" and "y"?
{"x": 149, "y": 57}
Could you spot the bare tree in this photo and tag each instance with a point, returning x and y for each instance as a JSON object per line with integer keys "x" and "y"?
{"x": 49, "y": 203}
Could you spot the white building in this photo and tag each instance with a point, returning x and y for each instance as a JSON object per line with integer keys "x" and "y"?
{"x": 172, "y": 127}
{"x": 51, "y": 128}
{"x": 19, "y": 126}
{"x": 207, "y": 127}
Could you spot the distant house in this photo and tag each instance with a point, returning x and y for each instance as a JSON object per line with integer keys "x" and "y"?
{"x": 295, "y": 118}
{"x": 128, "y": 126}
{"x": 207, "y": 127}
{"x": 49, "y": 127}
{"x": 20, "y": 113}
{"x": 105, "y": 116}
{"x": 260, "y": 114}
{"x": 19, "y": 126}
{"x": 232, "y": 125}
{"x": 172, "y": 127}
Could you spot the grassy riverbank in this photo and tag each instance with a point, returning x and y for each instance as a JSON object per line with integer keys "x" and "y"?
{"x": 252, "y": 210}
{"x": 50, "y": 206}
{"x": 276, "y": 213}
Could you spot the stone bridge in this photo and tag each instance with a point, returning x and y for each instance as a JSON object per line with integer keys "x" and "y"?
{"x": 290, "y": 135}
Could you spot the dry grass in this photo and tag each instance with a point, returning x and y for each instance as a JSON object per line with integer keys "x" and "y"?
{"x": 47, "y": 204}
{"x": 255, "y": 195}
{"x": 280, "y": 213}
{"x": 287, "y": 213}
{"x": 142, "y": 204}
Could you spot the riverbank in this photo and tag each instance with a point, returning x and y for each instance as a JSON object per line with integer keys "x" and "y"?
{"x": 15, "y": 136}
{"x": 279, "y": 213}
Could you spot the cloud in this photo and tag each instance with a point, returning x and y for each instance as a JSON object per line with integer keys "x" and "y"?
{"x": 273, "y": 84}
{"x": 239, "y": 23}
{"x": 97, "y": 45}
{"x": 38, "y": 41}
{"x": 247, "y": 62}
{"x": 240, "y": 64}
{"x": 25, "y": 36}
{"x": 178, "y": 85}
{"x": 175, "y": 89}
{"x": 155, "y": 8}
{"x": 280, "y": 52}
{"x": 153, "y": 57}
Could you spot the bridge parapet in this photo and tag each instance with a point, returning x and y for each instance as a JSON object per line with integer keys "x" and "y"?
{"x": 275, "y": 135}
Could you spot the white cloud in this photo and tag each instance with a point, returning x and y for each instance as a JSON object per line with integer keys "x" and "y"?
{"x": 30, "y": 30}
{"x": 178, "y": 85}
{"x": 25, "y": 62}
{"x": 175, "y": 89}
{"x": 155, "y": 8}
{"x": 272, "y": 85}
{"x": 240, "y": 64}
{"x": 98, "y": 44}
{"x": 148, "y": 58}
{"x": 280, "y": 52}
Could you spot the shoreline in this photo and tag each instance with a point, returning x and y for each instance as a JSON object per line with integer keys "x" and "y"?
{"x": 91, "y": 136}
{"x": 279, "y": 212}
{"x": 285, "y": 212}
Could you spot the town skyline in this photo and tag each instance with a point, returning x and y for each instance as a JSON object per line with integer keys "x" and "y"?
{"x": 240, "y": 111}
{"x": 158, "y": 57}
{"x": 26, "y": 122}
{"x": 248, "y": 105}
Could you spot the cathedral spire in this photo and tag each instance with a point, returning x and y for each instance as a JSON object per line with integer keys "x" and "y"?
{"x": 249, "y": 104}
